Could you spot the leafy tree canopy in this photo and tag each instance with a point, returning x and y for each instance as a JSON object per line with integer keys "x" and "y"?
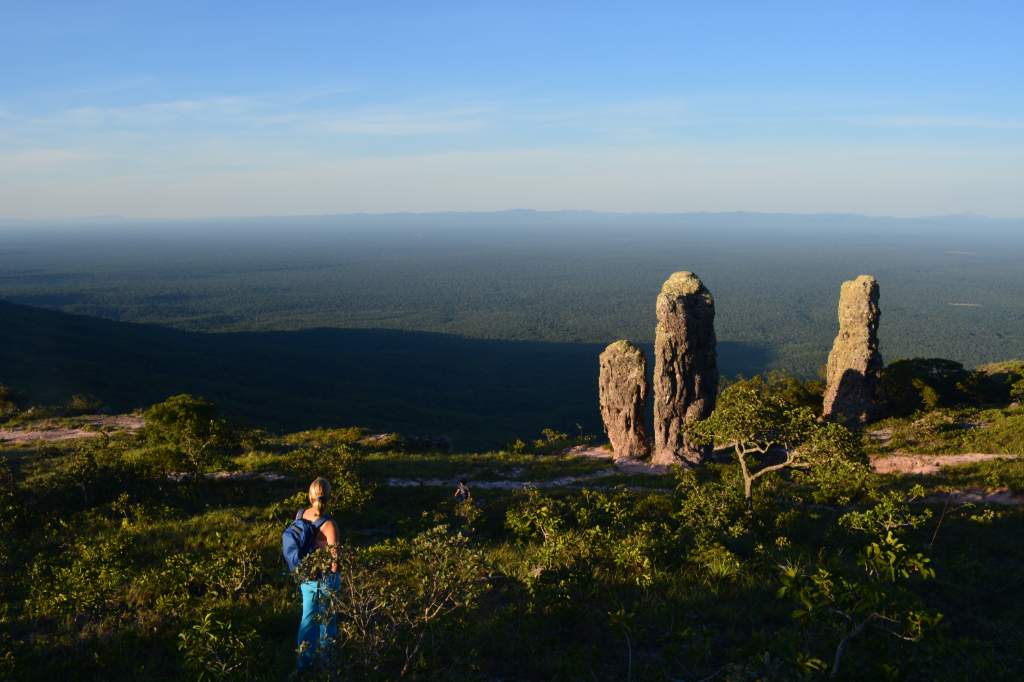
{"x": 758, "y": 424}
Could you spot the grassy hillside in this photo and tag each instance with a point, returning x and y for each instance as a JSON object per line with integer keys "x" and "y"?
{"x": 112, "y": 571}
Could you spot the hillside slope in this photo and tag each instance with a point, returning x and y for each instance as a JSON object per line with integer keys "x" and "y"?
{"x": 480, "y": 393}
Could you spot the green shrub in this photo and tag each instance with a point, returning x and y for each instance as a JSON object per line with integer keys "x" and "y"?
{"x": 794, "y": 391}
{"x": 189, "y": 431}
{"x": 710, "y": 508}
{"x": 394, "y": 594}
{"x": 95, "y": 472}
{"x": 909, "y": 386}
{"x": 875, "y": 595}
{"x": 81, "y": 403}
{"x": 716, "y": 563}
{"x": 215, "y": 650}
{"x": 8, "y": 403}
{"x": 338, "y": 464}
{"x": 1017, "y": 391}
{"x": 86, "y": 579}
{"x": 11, "y": 515}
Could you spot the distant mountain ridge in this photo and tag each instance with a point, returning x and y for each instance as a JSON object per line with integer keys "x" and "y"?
{"x": 520, "y": 214}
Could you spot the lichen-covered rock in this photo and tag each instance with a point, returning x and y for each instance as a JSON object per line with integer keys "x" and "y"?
{"x": 685, "y": 366}
{"x": 855, "y": 365}
{"x": 623, "y": 393}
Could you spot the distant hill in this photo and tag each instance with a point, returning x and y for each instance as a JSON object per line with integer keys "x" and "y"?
{"x": 480, "y": 393}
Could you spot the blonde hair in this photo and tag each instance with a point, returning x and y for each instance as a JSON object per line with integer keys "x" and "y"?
{"x": 319, "y": 493}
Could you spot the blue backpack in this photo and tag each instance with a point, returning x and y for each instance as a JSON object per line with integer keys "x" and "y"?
{"x": 299, "y": 539}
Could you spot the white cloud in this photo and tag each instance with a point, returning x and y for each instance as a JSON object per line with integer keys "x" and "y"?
{"x": 157, "y": 112}
{"x": 399, "y": 123}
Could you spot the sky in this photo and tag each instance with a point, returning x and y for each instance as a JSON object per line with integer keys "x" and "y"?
{"x": 193, "y": 109}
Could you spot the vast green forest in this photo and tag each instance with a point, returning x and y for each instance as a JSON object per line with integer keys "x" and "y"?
{"x": 478, "y": 326}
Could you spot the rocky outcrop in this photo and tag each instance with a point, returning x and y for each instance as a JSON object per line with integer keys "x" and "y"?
{"x": 855, "y": 365}
{"x": 623, "y": 393}
{"x": 685, "y": 366}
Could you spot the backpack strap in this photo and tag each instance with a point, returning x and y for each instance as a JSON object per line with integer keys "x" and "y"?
{"x": 319, "y": 522}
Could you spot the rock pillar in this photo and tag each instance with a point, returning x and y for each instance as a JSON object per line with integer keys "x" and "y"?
{"x": 855, "y": 365}
{"x": 685, "y": 366}
{"x": 623, "y": 392}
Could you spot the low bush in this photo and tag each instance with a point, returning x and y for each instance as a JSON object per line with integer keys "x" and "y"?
{"x": 189, "y": 432}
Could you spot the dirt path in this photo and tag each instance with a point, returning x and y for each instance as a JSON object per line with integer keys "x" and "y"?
{"x": 892, "y": 464}
{"x": 1000, "y": 496}
{"x": 912, "y": 464}
{"x": 929, "y": 464}
{"x": 505, "y": 484}
{"x": 615, "y": 468}
{"x": 53, "y": 431}
{"x": 268, "y": 476}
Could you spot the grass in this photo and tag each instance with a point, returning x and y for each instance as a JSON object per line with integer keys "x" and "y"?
{"x": 952, "y": 431}
{"x": 478, "y": 466}
{"x": 689, "y": 623}
{"x": 991, "y": 475}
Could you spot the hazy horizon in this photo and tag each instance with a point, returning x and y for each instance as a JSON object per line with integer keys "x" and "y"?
{"x": 97, "y": 220}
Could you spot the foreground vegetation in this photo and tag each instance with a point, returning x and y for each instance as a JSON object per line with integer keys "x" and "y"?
{"x": 124, "y": 559}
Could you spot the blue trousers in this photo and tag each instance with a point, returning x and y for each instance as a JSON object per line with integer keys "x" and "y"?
{"x": 313, "y": 628}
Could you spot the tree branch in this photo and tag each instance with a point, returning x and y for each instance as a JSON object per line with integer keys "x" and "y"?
{"x": 846, "y": 640}
{"x": 775, "y": 467}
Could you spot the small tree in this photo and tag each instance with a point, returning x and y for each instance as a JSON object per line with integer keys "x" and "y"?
{"x": 340, "y": 465}
{"x": 8, "y": 404}
{"x": 192, "y": 428}
{"x": 1017, "y": 391}
{"x": 392, "y": 596}
{"x": 874, "y": 596}
{"x": 753, "y": 421}
{"x": 81, "y": 403}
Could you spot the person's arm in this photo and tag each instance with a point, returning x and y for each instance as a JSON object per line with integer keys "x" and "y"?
{"x": 330, "y": 532}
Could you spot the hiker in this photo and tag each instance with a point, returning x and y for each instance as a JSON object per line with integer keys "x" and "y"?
{"x": 323, "y": 533}
{"x": 462, "y": 493}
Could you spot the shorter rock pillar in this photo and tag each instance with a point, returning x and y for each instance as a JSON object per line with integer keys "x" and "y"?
{"x": 623, "y": 393}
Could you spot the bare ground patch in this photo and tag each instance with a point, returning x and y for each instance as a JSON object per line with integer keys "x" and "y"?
{"x": 929, "y": 464}
{"x": 999, "y": 496}
{"x": 55, "y": 431}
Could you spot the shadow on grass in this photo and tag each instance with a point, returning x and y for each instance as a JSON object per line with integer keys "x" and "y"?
{"x": 480, "y": 393}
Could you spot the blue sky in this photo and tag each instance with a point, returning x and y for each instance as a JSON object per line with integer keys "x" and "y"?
{"x": 190, "y": 109}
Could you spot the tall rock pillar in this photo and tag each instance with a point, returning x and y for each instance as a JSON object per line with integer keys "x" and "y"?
{"x": 855, "y": 365}
{"x": 623, "y": 392}
{"x": 685, "y": 366}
